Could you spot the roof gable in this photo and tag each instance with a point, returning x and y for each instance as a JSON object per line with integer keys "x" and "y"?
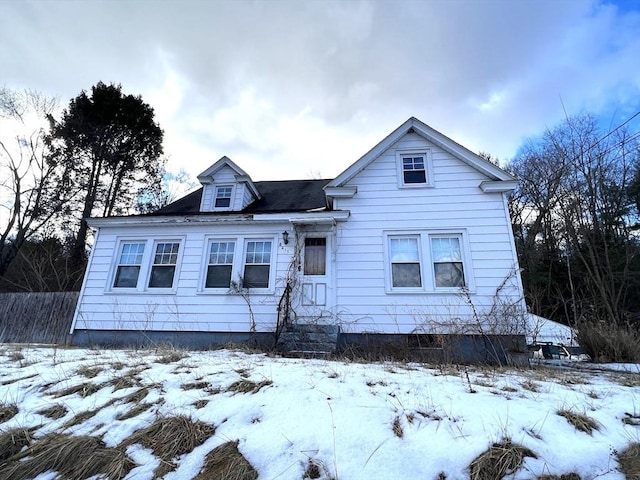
{"x": 416, "y": 126}
{"x": 207, "y": 176}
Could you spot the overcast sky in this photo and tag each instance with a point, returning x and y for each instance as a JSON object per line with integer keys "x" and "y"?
{"x": 293, "y": 89}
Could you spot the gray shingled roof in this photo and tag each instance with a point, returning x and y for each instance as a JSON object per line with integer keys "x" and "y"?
{"x": 277, "y": 196}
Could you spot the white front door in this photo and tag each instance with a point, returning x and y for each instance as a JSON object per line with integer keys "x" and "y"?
{"x": 315, "y": 265}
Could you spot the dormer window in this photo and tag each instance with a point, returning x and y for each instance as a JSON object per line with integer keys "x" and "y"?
{"x": 223, "y": 196}
{"x": 414, "y": 168}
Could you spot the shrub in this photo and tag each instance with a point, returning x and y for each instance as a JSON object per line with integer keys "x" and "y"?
{"x": 603, "y": 342}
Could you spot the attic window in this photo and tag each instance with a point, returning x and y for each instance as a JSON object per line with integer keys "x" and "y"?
{"x": 223, "y": 196}
{"x": 415, "y": 169}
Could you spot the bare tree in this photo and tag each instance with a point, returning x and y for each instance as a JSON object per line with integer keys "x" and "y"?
{"x": 573, "y": 218}
{"x": 32, "y": 190}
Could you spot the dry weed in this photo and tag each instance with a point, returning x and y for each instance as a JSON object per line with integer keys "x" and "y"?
{"x": 80, "y": 418}
{"x": 565, "y": 476}
{"x": 12, "y": 441}
{"x": 137, "y": 396}
{"x": 201, "y": 403}
{"x": 499, "y": 460}
{"x": 171, "y": 357}
{"x": 631, "y": 419}
{"x": 579, "y": 421}
{"x": 72, "y": 457}
{"x": 397, "y": 428}
{"x": 225, "y": 462}
{"x": 14, "y": 380}
{"x": 89, "y": 372}
{"x": 83, "y": 389}
{"x": 169, "y": 437}
{"x": 629, "y": 461}
{"x": 135, "y": 411}
{"x": 195, "y": 385}
{"x": 54, "y": 412}
{"x": 7, "y": 411}
{"x": 247, "y": 386}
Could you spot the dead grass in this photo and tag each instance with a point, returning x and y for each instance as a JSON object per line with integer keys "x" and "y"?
{"x": 137, "y": 396}
{"x": 54, "y": 412}
{"x": 201, "y": 403}
{"x": 397, "y": 428}
{"x": 195, "y": 385}
{"x": 565, "y": 476}
{"x": 135, "y": 411}
{"x": 499, "y": 460}
{"x": 629, "y": 461}
{"x": 80, "y": 418}
{"x": 169, "y": 437}
{"x": 83, "y": 389}
{"x": 579, "y": 421}
{"x": 72, "y": 457}
{"x": 247, "y": 386}
{"x": 9, "y": 382}
{"x": 12, "y": 441}
{"x": 89, "y": 372}
{"x": 631, "y": 419}
{"x": 225, "y": 462}
{"x": 7, "y": 411}
{"x": 171, "y": 357}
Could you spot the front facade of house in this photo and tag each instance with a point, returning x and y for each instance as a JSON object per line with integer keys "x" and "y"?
{"x": 414, "y": 237}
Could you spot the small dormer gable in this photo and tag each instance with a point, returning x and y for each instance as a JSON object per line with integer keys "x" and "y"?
{"x": 226, "y": 188}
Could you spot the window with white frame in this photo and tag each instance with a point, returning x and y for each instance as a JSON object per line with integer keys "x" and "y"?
{"x": 257, "y": 264}
{"x": 163, "y": 268}
{"x": 427, "y": 261}
{"x": 128, "y": 267}
{"x": 446, "y": 256}
{"x": 220, "y": 264}
{"x": 223, "y": 196}
{"x": 404, "y": 253}
{"x": 413, "y": 169}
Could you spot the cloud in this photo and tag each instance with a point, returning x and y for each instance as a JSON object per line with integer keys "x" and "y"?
{"x": 288, "y": 87}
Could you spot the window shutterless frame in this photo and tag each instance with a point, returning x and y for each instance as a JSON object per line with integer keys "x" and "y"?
{"x": 427, "y": 261}
{"x": 219, "y": 272}
{"x": 257, "y": 263}
{"x": 129, "y": 262}
{"x": 414, "y": 168}
{"x": 222, "y": 198}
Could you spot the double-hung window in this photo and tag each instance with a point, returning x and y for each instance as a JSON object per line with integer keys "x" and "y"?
{"x": 163, "y": 268}
{"x": 223, "y": 196}
{"x": 220, "y": 264}
{"x": 404, "y": 254}
{"x": 446, "y": 256}
{"x": 427, "y": 261}
{"x": 413, "y": 170}
{"x": 257, "y": 264}
{"x": 128, "y": 268}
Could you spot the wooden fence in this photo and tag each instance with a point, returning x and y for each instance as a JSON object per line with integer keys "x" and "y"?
{"x": 36, "y": 317}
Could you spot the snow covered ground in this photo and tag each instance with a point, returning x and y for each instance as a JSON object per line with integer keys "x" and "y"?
{"x": 352, "y": 420}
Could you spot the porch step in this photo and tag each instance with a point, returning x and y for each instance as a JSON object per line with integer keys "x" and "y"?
{"x": 309, "y": 340}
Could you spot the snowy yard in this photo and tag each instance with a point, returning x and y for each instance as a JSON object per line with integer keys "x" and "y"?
{"x": 295, "y": 418}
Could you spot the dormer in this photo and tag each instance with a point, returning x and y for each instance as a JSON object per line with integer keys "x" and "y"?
{"x": 226, "y": 188}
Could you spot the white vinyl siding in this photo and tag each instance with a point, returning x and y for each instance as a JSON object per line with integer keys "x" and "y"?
{"x": 455, "y": 206}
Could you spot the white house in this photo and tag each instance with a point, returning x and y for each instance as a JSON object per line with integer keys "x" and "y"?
{"x": 410, "y": 242}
